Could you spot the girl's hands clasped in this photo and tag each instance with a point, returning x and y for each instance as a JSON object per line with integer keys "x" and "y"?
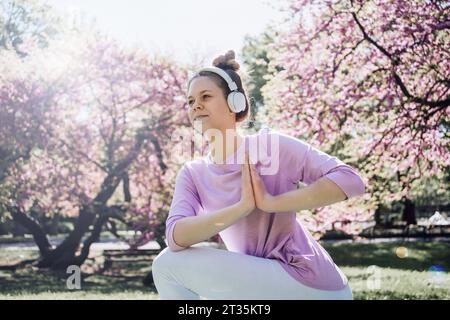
{"x": 254, "y": 192}
{"x": 247, "y": 198}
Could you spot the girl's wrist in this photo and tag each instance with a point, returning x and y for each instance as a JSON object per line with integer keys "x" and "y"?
{"x": 244, "y": 208}
{"x": 271, "y": 203}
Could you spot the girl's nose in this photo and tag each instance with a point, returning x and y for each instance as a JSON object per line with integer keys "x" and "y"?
{"x": 195, "y": 106}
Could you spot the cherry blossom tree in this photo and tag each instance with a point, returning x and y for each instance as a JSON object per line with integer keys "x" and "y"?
{"x": 95, "y": 121}
{"x": 367, "y": 81}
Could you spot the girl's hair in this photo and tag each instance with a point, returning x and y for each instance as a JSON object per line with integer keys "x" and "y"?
{"x": 227, "y": 63}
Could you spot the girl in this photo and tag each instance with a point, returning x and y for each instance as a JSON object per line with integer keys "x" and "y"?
{"x": 250, "y": 198}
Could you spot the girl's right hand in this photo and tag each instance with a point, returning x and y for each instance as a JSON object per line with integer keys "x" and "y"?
{"x": 247, "y": 201}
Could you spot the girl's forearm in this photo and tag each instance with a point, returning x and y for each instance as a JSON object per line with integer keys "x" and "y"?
{"x": 195, "y": 229}
{"x": 321, "y": 193}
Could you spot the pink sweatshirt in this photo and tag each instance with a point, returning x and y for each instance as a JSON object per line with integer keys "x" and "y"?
{"x": 203, "y": 186}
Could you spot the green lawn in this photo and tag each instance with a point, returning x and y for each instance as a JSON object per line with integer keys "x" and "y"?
{"x": 121, "y": 282}
{"x": 375, "y": 271}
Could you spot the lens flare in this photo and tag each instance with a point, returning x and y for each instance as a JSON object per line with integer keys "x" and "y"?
{"x": 401, "y": 252}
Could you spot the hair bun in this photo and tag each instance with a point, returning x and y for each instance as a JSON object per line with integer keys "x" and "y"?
{"x": 226, "y": 61}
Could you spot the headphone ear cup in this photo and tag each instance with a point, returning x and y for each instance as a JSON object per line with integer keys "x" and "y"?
{"x": 236, "y": 101}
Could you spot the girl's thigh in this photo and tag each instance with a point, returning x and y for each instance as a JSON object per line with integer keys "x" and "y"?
{"x": 220, "y": 274}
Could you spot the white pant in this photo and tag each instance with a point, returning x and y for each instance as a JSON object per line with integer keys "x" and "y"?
{"x": 200, "y": 272}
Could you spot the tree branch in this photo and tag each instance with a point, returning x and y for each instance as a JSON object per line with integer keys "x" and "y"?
{"x": 33, "y": 227}
{"x": 395, "y": 62}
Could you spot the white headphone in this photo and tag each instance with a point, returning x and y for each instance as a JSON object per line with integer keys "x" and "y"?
{"x": 235, "y": 99}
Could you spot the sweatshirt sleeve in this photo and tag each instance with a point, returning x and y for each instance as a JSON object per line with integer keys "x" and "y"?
{"x": 310, "y": 164}
{"x": 185, "y": 203}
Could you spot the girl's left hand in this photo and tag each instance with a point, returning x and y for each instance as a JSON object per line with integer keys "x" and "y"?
{"x": 263, "y": 199}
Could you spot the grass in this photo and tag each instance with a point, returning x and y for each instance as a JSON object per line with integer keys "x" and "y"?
{"x": 375, "y": 271}
{"x": 383, "y": 271}
{"x": 121, "y": 282}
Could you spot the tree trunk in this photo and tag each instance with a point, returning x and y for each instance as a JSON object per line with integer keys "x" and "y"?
{"x": 33, "y": 227}
{"x": 377, "y": 217}
{"x": 409, "y": 212}
{"x": 65, "y": 254}
{"x": 96, "y": 213}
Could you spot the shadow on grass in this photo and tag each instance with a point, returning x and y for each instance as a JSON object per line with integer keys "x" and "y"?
{"x": 120, "y": 278}
{"x": 34, "y": 282}
{"x": 420, "y": 256}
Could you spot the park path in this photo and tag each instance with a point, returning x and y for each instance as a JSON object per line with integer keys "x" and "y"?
{"x": 114, "y": 244}
{"x": 103, "y": 244}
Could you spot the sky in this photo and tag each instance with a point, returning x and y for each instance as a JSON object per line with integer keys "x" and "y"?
{"x": 189, "y": 30}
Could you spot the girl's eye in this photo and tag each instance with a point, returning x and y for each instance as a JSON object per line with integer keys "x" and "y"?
{"x": 206, "y": 95}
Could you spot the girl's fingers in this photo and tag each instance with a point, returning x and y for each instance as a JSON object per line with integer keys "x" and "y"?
{"x": 254, "y": 173}
{"x": 245, "y": 171}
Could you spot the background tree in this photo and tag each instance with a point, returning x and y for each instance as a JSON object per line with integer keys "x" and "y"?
{"x": 256, "y": 60}
{"x": 103, "y": 117}
{"x": 26, "y": 21}
{"x": 366, "y": 81}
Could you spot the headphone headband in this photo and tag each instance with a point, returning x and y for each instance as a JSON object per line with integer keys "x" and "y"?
{"x": 231, "y": 84}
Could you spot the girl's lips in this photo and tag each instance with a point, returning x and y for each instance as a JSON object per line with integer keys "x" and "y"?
{"x": 200, "y": 117}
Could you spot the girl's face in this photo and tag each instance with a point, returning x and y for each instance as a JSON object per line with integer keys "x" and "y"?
{"x": 208, "y": 105}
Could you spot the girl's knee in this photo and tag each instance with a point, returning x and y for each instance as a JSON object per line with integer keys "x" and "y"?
{"x": 162, "y": 260}
{"x": 347, "y": 293}
{"x": 350, "y": 294}
{"x": 167, "y": 259}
